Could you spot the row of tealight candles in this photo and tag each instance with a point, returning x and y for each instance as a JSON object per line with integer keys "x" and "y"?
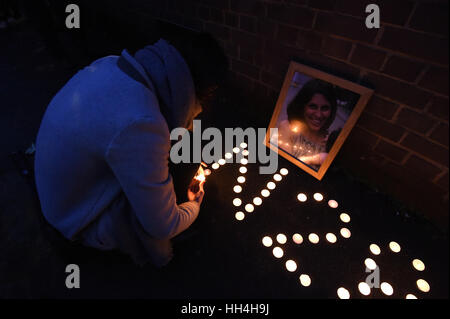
{"x": 365, "y": 289}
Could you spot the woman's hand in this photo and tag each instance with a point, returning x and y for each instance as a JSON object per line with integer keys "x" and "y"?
{"x": 197, "y": 197}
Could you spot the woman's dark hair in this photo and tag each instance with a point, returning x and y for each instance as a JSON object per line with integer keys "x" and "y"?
{"x": 296, "y": 109}
{"x": 206, "y": 61}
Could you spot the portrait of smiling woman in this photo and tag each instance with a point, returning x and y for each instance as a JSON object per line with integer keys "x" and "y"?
{"x": 314, "y": 114}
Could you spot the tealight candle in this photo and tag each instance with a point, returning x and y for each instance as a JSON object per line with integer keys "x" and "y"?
{"x": 331, "y": 238}
{"x": 243, "y": 169}
{"x": 207, "y": 172}
{"x": 343, "y": 293}
{"x": 313, "y": 238}
{"x": 370, "y": 263}
{"x": 267, "y": 241}
{"x": 284, "y": 171}
{"x": 237, "y": 189}
{"x": 302, "y": 197}
{"x": 236, "y": 150}
{"x": 291, "y": 265}
{"x": 228, "y": 155}
{"x": 332, "y": 203}
{"x": 345, "y": 232}
{"x": 249, "y": 208}
{"x": 305, "y": 280}
{"x": 245, "y": 152}
{"x": 345, "y": 218}
{"x": 418, "y": 264}
{"x": 394, "y": 246}
{"x": 257, "y": 201}
{"x": 244, "y": 161}
{"x": 278, "y": 252}
{"x": 221, "y": 161}
{"x": 265, "y": 193}
{"x": 318, "y": 197}
{"x": 244, "y": 145}
{"x": 410, "y": 296}
{"x": 237, "y": 202}
{"x": 281, "y": 238}
{"x": 297, "y": 238}
{"x": 277, "y": 177}
{"x": 364, "y": 288}
{"x": 239, "y": 216}
{"x": 387, "y": 289}
{"x": 215, "y": 166}
{"x": 375, "y": 249}
{"x": 423, "y": 285}
{"x": 241, "y": 179}
{"x": 271, "y": 185}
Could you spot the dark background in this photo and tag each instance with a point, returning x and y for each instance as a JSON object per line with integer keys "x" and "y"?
{"x": 221, "y": 257}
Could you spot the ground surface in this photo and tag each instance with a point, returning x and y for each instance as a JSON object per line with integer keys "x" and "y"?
{"x": 221, "y": 257}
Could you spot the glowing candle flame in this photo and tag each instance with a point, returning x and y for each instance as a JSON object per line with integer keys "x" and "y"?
{"x": 284, "y": 171}
{"x": 418, "y": 264}
{"x": 237, "y": 189}
{"x": 267, "y": 241}
{"x": 318, "y": 197}
{"x": 423, "y": 285}
{"x": 278, "y": 252}
{"x": 410, "y": 296}
{"x": 271, "y": 185}
{"x": 228, "y": 155}
{"x": 387, "y": 289}
{"x": 291, "y": 265}
{"x": 281, "y": 238}
{"x": 394, "y": 246}
{"x": 237, "y": 202}
{"x": 243, "y": 169}
{"x": 345, "y": 218}
{"x": 249, "y": 208}
{"x": 257, "y": 201}
{"x": 221, "y": 161}
{"x": 302, "y": 197}
{"x": 305, "y": 280}
{"x": 370, "y": 263}
{"x": 375, "y": 249}
{"x": 239, "y": 216}
{"x": 364, "y": 288}
{"x": 343, "y": 293}
{"x": 244, "y": 161}
{"x": 265, "y": 193}
{"x": 215, "y": 166}
{"x": 241, "y": 179}
{"x": 331, "y": 238}
{"x": 297, "y": 238}
{"x": 207, "y": 172}
{"x": 243, "y": 145}
{"x": 245, "y": 152}
{"x": 236, "y": 150}
{"x": 332, "y": 203}
{"x": 345, "y": 232}
{"x": 277, "y": 177}
{"x": 313, "y": 238}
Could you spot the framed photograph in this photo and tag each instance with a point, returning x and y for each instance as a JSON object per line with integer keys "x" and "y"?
{"x": 314, "y": 114}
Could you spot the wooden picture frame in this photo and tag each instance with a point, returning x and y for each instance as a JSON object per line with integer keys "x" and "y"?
{"x": 350, "y": 100}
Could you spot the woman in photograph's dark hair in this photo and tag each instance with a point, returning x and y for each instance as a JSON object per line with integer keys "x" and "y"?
{"x": 310, "y": 115}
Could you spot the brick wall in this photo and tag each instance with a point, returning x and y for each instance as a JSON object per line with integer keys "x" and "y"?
{"x": 400, "y": 143}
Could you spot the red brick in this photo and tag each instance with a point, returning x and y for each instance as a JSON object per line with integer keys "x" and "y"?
{"x": 361, "y": 140}
{"x": 415, "y": 121}
{"x": 381, "y": 107}
{"x": 221, "y": 4}
{"x": 403, "y": 68}
{"x": 399, "y": 91}
{"x": 273, "y": 80}
{"x": 293, "y": 15}
{"x": 422, "y": 168}
{"x": 440, "y": 134}
{"x": 216, "y": 15}
{"x": 394, "y": 12}
{"x": 323, "y": 4}
{"x": 247, "y": 40}
{"x": 266, "y": 28}
{"x": 336, "y": 47}
{"x": 443, "y": 181}
{"x": 431, "y": 17}
{"x": 231, "y": 50}
{"x": 426, "y": 148}
{"x": 308, "y": 40}
{"x": 245, "y": 68}
{"x": 380, "y": 127}
{"x": 287, "y": 35}
{"x": 203, "y": 13}
{"x": 297, "y": 2}
{"x": 415, "y": 44}
{"x": 348, "y": 27}
{"x": 368, "y": 57}
{"x": 436, "y": 79}
{"x": 439, "y": 107}
{"x": 252, "y": 7}
{"x": 247, "y": 23}
{"x": 391, "y": 151}
{"x": 231, "y": 19}
{"x": 218, "y": 31}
